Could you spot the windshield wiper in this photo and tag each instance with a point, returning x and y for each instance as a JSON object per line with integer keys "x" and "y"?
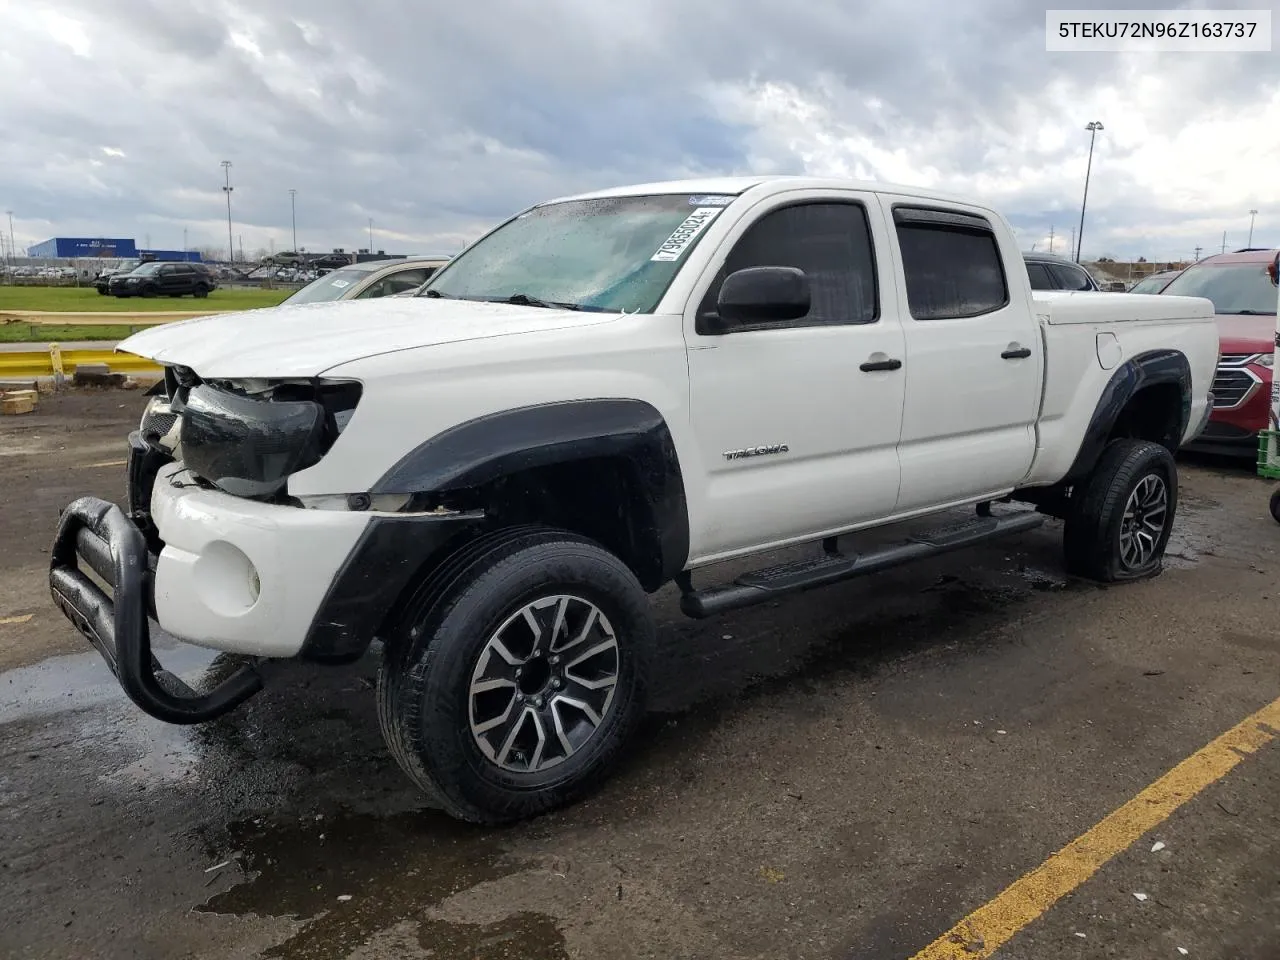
{"x": 1249, "y": 313}
{"x": 524, "y": 300}
{"x": 434, "y": 294}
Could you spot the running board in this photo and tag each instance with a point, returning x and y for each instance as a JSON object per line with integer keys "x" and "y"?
{"x": 831, "y": 567}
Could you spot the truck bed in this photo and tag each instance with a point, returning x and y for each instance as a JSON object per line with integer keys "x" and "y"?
{"x": 1057, "y": 307}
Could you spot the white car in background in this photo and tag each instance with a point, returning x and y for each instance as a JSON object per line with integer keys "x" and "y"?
{"x": 374, "y": 278}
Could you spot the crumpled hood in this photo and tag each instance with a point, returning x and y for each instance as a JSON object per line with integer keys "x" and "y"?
{"x": 304, "y": 340}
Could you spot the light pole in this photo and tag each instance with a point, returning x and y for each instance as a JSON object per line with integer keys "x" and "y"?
{"x": 371, "y": 234}
{"x": 231, "y": 250}
{"x": 293, "y": 216}
{"x": 13, "y": 250}
{"x": 1252, "y": 214}
{"x": 1093, "y": 127}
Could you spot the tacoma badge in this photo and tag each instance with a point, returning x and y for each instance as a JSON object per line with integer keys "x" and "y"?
{"x": 756, "y": 451}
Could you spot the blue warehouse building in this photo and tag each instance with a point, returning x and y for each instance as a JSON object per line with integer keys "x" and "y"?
{"x": 102, "y": 247}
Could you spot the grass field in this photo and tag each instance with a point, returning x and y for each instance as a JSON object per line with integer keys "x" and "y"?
{"x": 63, "y": 333}
{"x": 88, "y": 300}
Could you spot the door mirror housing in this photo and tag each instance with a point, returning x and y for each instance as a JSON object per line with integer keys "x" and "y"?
{"x": 1273, "y": 270}
{"x": 763, "y": 295}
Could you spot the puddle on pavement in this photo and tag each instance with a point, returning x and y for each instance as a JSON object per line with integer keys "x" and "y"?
{"x": 79, "y": 680}
{"x": 394, "y": 869}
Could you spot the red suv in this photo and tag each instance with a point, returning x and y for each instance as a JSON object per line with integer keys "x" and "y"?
{"x": 1244, "y": 298}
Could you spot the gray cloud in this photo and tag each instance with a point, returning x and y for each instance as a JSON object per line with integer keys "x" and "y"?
{"x": 438, "y": 121}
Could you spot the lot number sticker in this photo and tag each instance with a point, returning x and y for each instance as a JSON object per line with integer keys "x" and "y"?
{"x": 685, "y": 234}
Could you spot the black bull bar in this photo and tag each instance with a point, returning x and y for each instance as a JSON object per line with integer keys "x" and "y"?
{"x": 98, "y": 534}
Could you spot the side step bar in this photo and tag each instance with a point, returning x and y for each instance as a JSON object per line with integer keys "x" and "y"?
{"x": 832, "y": 567}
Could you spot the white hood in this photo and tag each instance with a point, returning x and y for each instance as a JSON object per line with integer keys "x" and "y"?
{"x": 304, "y": 340}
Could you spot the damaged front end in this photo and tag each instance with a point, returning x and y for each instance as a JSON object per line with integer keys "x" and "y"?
{"x": 213, "y": 545}
{"x": 241, "y": 437}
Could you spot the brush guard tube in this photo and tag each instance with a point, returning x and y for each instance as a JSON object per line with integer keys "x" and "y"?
{"x": 98, "y": 534}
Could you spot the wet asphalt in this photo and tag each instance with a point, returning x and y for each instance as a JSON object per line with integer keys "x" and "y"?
{"x": 843, "y": 774}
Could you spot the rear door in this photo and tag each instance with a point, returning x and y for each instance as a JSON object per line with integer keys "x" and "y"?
{"x": 973, "y": 355}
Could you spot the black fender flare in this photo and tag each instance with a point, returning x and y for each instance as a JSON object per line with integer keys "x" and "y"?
{"x": 479, "y": 451}
{"x": 1135, "y": 374}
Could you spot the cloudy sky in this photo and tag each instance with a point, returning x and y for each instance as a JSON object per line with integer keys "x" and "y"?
{"x": 437, "y": 119}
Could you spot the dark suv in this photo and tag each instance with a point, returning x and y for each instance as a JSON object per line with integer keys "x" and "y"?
{"x": 161, "y": 279}
{"x": 1048, "y": 271}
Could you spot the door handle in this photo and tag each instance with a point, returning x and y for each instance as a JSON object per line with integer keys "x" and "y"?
{"x": 1016, "y": 352}
{"x": 886, "y": 364}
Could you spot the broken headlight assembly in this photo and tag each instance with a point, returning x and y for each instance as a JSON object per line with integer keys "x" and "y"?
{"x": 246, "y": 437}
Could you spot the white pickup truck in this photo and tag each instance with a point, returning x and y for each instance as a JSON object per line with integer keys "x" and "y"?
{"x": 605, "y": 394}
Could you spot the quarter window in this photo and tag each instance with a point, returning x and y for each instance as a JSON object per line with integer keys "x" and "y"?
{"x": 952, "y": 264}
{"x": 830, "y": 242}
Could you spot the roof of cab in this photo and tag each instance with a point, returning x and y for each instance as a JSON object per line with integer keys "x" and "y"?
{"x": 774, "y": 183}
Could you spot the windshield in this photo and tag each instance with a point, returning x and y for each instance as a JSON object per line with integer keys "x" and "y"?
{"x": 331, "y": 286}
{"x": 146, "y": 269}
{"x": 1234, "y": 288}
{"x": 613, "y": 254}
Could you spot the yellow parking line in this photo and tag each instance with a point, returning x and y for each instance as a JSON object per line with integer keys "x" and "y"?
{"x": 984, "y": 931}
{"x": 104, "y": 463}
{"x": 19, "y": 619}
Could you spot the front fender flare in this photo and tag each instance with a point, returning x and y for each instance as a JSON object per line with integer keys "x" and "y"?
{"x": 479, "y": 451}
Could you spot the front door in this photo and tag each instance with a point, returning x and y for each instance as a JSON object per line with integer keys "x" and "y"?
{"x": 974, "y": 356}
{"x": 797, "y": 422}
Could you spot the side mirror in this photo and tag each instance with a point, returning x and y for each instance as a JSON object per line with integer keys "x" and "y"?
{"x": 763, "y": 294}
{"x": 1273, "y": 270}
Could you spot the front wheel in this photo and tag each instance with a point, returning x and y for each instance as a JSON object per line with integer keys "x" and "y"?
{"x": 514, "y": 685}
{"x": 200, "y": 292}
{"x": 1120, "y": 517}
{"x": 1275, "y": 506}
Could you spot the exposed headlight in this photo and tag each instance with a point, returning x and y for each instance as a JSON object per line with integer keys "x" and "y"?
{"x": 248, "y": 436}
{"x": 1263, "y": 359}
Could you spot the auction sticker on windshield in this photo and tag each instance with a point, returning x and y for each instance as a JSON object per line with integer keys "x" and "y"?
{"x": 685, "y": 234}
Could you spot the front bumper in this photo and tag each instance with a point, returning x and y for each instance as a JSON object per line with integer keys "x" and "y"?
{"x": 1233, "y": 430}
{"x": 99, "y": 534}
{"x": 232, "y": 574}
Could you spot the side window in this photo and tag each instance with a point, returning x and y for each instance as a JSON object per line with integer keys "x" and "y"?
{"x": 952, "y": 264}
{"x": 395, "y": 283}
{"x": 830, "y": 242}
{"x": 1072, "y": 278}
{"x": 1040, "y": 278}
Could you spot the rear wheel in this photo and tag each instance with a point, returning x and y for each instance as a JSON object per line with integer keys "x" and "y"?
{"x": 1120, "y": 517}
{"x": 513, "y": 685}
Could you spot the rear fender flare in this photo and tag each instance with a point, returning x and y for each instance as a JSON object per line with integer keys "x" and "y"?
{"x": 1138, "y": 372}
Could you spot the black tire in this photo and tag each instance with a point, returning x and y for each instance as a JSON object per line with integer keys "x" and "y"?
{"x": 1092, "y": 541}
{"x": 424, "y": 683}
{"x": 200, "y": 292}
{"x": 1275, "y": 505}
{"x": 148, "y": 291}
